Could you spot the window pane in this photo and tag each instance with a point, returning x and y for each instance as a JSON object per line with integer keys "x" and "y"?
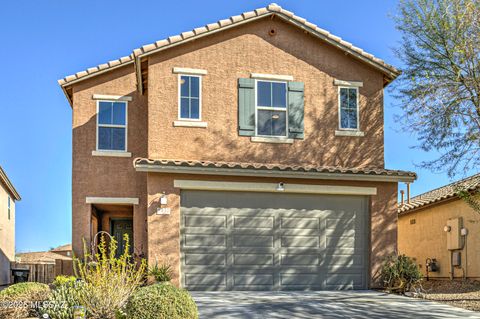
{"x": 184, "y": 108}
{"x": 264, "y": 93}
{"x": 104, "y": 138}
{"x": 185, "y": 85}
{"x": 194, "y": 86}
{"x": 352, "y": 99}
{"x": 118, "y": 139}
{"x": 349, "y": 119}
{"x": 194, "y": 109}
{"x": 272, "y": 123}
{"x": 343, "y": 98}
{"x": 279, "y": 92}
{"x": 119, "y": 113}
{"x": 105, "y": 113}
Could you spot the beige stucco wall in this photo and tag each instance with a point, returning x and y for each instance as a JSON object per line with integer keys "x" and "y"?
{"x": 236, "y": 53}
{"x": 427, "y": 239}
{"x": 164, "y": 230}
{"x": 7, "y": 235}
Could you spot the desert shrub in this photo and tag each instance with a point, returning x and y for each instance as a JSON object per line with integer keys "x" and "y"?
{"x": 108, "y": 281}
{"x": 400, "y": 274}
{"x": 162, "y": 273}
{"x": 64, "y": 297}
{"x": 161, "y": 301}
{"x": 64, "y": 280}
{"x": 19, "y": 300}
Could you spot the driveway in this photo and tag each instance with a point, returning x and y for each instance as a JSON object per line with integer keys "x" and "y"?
{"x": 321, "y": 304}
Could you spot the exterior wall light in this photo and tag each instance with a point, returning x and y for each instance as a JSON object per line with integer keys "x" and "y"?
{"x": 163, "y": 199}
{"x": 447, "y": 229}
{"x": 280, "y": 187}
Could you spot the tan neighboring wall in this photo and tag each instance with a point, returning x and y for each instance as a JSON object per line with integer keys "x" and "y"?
{"x": 164, "y": 230}
{"x": 427, "y": 239}
{"x": 7, "y": 234}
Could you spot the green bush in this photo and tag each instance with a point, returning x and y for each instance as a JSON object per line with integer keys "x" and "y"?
{"x": 65, "y": 295}
{"x": 64, "y": 280}
{"x": 162, "y": 273}
{"x": 19, "y": 300}
{"x": 400, "y": 274}
{"x": 161, "y": 301}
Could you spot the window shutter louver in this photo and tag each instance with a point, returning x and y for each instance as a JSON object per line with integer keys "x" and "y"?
{"x": 295, "y": 110}
{"x": 246, "y": 107}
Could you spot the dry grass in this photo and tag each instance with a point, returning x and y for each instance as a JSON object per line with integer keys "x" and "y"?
{"x": 463, "y": 294}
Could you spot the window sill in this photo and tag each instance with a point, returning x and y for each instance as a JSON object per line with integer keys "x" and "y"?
{"x": 190, "y": 124}
{"x": 349, "y": 133}
{"x": 111, "y": 154}
{"x": 276, "y": 140}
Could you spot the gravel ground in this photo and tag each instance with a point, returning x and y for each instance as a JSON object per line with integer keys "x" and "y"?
{"x": 463, "y": 294}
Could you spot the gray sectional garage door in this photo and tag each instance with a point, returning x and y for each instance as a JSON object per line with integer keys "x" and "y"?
{"x": 270, "y": 241}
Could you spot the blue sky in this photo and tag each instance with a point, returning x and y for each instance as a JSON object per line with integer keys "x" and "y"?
{"x": 42, "y": 41}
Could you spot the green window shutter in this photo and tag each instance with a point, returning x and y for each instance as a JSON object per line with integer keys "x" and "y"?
{"x": 295, "y": 109}
{"x": 246, "y": 107}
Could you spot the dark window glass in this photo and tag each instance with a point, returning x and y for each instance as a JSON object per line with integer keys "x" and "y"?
{"x": 190, "y": 97}
{"x": 105, "y": 113}
{"x": 279, "y": 94}
{"x": 104, "y": 138}
{"x": 119, "y": 113}
{"x": 264, "y": 93}
{"x": 272, "y": 123}
{"x": 348, "y": 108}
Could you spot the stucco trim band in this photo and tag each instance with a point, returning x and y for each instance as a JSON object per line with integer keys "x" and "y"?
{"x": 189, "y": 71}
{"x": 277, "y": 140}
{"x": 272, "y": 187}
{"x": 268, "y": 173}
{"x": 190, "y": 124}
{"x": 112, "y": 200}
{"x": 348, "y": 83}
{"x": 277, "y": 77}
{"x": 111, "y": 154}
{"x": 112, "y": 97}
{"x": 349, "y": 133}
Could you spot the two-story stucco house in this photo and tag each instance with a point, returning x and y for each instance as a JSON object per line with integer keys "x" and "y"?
{"x": 8, "y": 197}
{"x": 248, "y": 152}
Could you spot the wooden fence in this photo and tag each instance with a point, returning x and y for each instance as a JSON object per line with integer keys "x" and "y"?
{"x": 45, "y": 273}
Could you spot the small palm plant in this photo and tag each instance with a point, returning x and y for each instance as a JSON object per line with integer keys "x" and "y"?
{"x": 161, "y": 273}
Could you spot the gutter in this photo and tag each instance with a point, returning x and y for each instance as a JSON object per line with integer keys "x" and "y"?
{"x": 268, "y": 173}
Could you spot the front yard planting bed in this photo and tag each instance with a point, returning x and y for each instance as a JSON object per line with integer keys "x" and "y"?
{"x": 458, "y": 293}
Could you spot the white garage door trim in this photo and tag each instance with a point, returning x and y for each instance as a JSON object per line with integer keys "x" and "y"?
{"x": 273, "y": 187}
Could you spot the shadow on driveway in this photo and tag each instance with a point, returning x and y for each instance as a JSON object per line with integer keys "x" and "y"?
{"x": 321, "y": 304}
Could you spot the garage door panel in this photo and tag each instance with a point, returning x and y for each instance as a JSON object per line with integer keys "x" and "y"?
{"x": 252, "y": 241}
{"x": 253, "y": 259}
{"x": 264, "y": 241}
{"x": 206, "y": 259}
{"x": 195, "y": 221}
{"x": 253, "y": 222}
{"x": 197, "y": 240}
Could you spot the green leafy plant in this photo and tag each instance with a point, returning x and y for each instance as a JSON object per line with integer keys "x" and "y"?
{"x": 162, "y": 273}
{"x": 64, "y": 280}
{"x": 64, "y": 297}
{"x": 400, "y": 274}
{"x": 108, "y": 281}
{"x": 19, "y": 298}
{"x": 161, "y": 301}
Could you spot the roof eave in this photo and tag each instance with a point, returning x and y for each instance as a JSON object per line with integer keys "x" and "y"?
{"x": 10, "y": 188}
{"x": 155, "y": 168}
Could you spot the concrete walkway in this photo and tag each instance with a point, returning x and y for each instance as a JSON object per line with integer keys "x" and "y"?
{"x": 321, "y": 304}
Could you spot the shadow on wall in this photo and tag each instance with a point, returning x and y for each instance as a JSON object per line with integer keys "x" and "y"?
{"x": 4, "y": 269}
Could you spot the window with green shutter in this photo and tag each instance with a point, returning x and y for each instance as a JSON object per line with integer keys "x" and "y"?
{"x": 271, "y": 108}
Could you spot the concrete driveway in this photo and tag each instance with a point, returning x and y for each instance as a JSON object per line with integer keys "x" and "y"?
{"x": 321, "y": 304}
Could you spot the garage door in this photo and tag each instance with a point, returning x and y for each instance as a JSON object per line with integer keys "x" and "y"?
{"x": 269, "y": 241}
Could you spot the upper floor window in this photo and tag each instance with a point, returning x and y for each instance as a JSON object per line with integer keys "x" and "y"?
{"x": 8, "y": 207}
{"x": 271, "y": 108}
{"x": 348, "y": 108}
{"x": 190, "y": 101}
{"x": 112, "y": 126}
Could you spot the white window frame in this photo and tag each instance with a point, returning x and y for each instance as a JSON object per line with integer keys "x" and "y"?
{"x": 180, "y": 118}
{"x": 113, "y": 126}
{"x": 268, "y": 108}
{"x": 340, "y": 109}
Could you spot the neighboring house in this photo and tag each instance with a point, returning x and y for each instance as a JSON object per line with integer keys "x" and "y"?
{"x": 8, "y": 197}
{"x": 249, "y": 153}
{"x": 40, "y": 257}
{"x": 65, "y": 250}
{"x": 430, "y": 226}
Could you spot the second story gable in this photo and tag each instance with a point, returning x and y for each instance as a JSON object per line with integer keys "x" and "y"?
{"x": 267, "y": 90}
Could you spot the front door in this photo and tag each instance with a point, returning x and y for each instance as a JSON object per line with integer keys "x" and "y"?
{"x": 119, "y": 229}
